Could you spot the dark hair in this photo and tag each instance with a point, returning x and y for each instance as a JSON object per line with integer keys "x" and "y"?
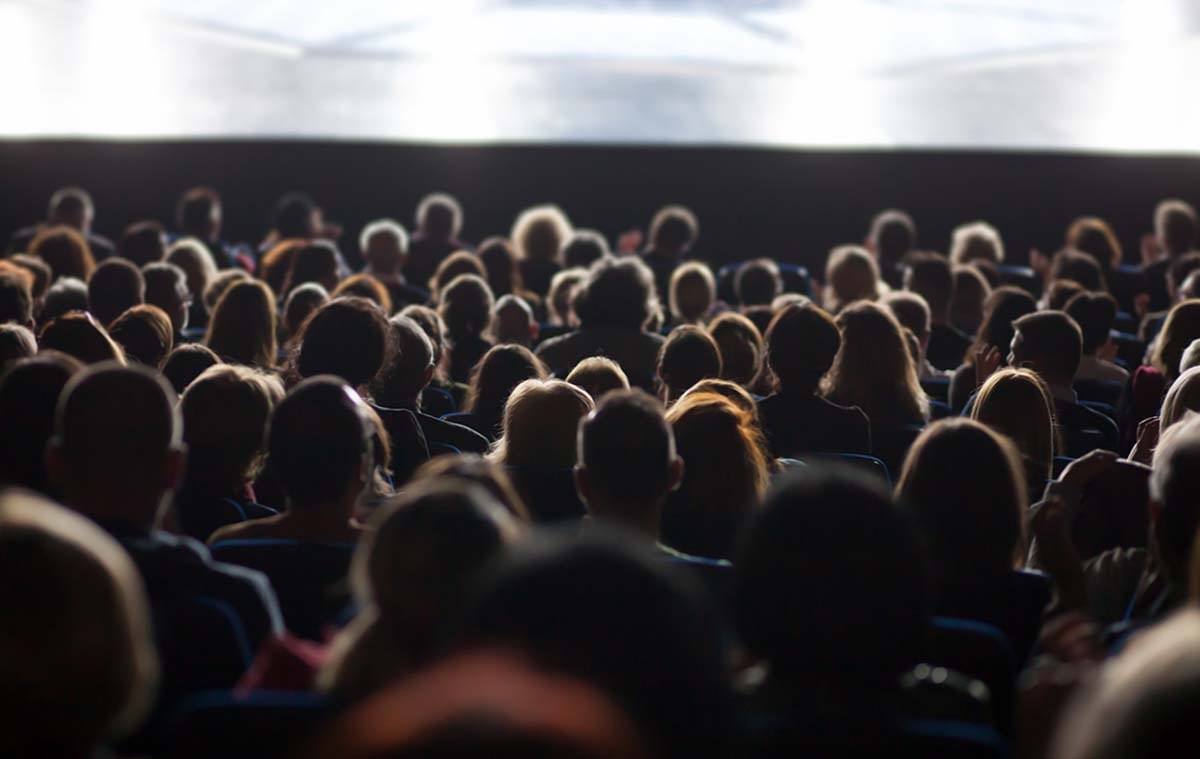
{"x": 315, "y": 262}
{"x": 1180, "y": 267}
{"x": 143, "y": 242}
{"x": 144, "y": 333}
{"x": 1095, "y": 237}
{"x": 500, "y": 370}
{"x": 1004, "y": 306}
{"x": 64, "y": 296}
{"x": 757, "y": 282}
{"x": 163, "y": 282}
{"x": 16, "y": 300}
{"x": 741, "y": 347}
{"x": 365, "y": 286}
{"x": 225, "y": 414}
{"x": 29, "y": 394}
{"x": 403, "y": 378}
{"x": 1052, "y": 342}
{"x": 1071, "y": 264}
{"x": 466, "y": 307}
{"x": 65, "y": 251}
{"x": 79, "y": 335}
{"x": 186, "y": 363}
{"x": 301, "y": 303}
{"x": 583, "y": 248}
{"x": 242, "y": 326}
{"x": 930, "y": 276}
{"x": 627, "y": 447}
{"x": 1061, "y": 291}
{"x": 454, "y": 266}
{"x": 39, "y": 270}
{"x": 802, "y": 342}
{"x": 674, "y": 227}
{"x": 439, "y": 215}
{"x": 195, "y": 210}
{"x": 894, "y": 235}
{"x": 911, "y": 310}
{"x": 115, "y": 287}
{"x": 500, "y": 261}
{"x": 348, "y": 338}
{"x": 16, "y": 342}
{"x": 1175, "y": 221}
{"x": 617, "y": 294}
{"x": 1095, "y": 314}
{"x": 293, "y": 216}
{"x": 830, "y": 581}
{"x": 70, "y": 201}
{"x": 688, "y": 355}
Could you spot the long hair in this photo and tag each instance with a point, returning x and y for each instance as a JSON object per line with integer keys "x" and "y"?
{"x": 541, "y": 419}
{"x": 1182, "y": 397}
{"x": 1017, "y": 404}
{"x": 242, "y": 327}
{"x": 873, "y": 370}
{"x": 1178, "y": 331}
{"x": 498, "y": 373}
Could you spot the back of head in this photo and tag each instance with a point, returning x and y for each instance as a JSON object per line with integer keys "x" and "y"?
{"x": 295, "y": 216}
{"x": 976, "y": 241}
{"x": 1095, "y": 314}
{"x": 439, "y": 216}
{"x": 1183, "y": 396}
{"x": 71, "y": 206}
{"x": 466, "y": 307}
{"x": 318, "y": 262}
{"x": 539, "y": 232}
{"x": 971, "y": 290}
{"x": 302, "y": 303}
{"x": 964, "y": 485}
{"x": 513, "y": 320}
{"x": 564, "y": 287}
{"x": 167, "y": 288}
{"x": 618, "y": 293}
{"x": 1004, "y": 306}
{"x": 433, "y": 326}
{"x": 78, "y": 335}
{"x": 1175, "y": 490}
{"x": 186, "y": 363}
{"x": 1050, "y": 343}
{"x": 741, "y": 347}
{"x": 474, "y": 469}
{"x": 851, "y": 275}
{"x": 196, "y": 262}
{"x": 498, "y": 373}
{"x": 626, "y": 449}
{"x": 500, "y": 261}
{"x": 1017, "y": 404}
{"x": 598, "y": 376}
{"x": 318, "y": 441}
{"x": 674, "y": 229}
{"x": 78, "y": 666}
{"x": 242, "y": 327}
{"x": 453, "y": 266}
{"x": 540, "y": 421}
{"x": 348, "y": 338}
{"x": 38, "y": 269}
{"x": 225, "y": 412}
{"x": 383, "y": 243}
{"x": 16, "y": 295}
{"x": 688, "y": 355}
{"x": 893, "y": 234}
{"x": 115, "y": 287}
{"x": 16, "y": 342}
{"x": 144, "y": 334}
{"x": 693, "y": 291}
{"x": 874, "y": 369}
{"x": 65, "y": 251}
{"x": 802, "y": 343}
{"x": 1181, "y": 327}
{"x": 730, "y": 391}
{"x": 911, "y": 311}
{"x": 1191, "y": 356}
{"x": 1180, "y": 270}
{"x": 830, "y": 584}
{"x": 29, "y": 395}
{"x": 758, "y": 282}
{"x": 1080, "y": 267}
{"x": 1060, "y": 292}
{"x": 198, "y": 213}
{"x": 1176, "y": 226}
{"x": 930, "y": 276}
{"x": 411, "y": 366}
{"x": 64, "y": 296}
{"x": 583, "y": 248}
{"x": 1095, "y": 237}
{"x": 219, "y": 284}
{"x": 143, "y": 242}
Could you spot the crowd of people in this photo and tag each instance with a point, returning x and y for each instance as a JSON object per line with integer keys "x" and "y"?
{"x": 537, "y": 495}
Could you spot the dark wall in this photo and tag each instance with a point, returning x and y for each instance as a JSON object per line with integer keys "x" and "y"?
{"x": 790, "y": 204}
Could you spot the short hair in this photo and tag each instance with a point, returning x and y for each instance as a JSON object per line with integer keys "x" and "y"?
{"x": 564, "y": 287}
{"x": 143, "y": 242}
{"x": 1004, "y": 306}
{"x": 452, "y": 267}
{"x": 971, "y": 289}
{"x": 365, "y": 286}
{"x": 439, "y": 215}
{"x": 16, "y": 342}
{"x": 317, "y": 439}
{"x": 627, "y": 447}
{"x": 292, "y": 216}
{"x": 38, "y": 269}
{"x": 583, "y": 248}
{"x": 1175, "y": 487}
{"x": 196, "y": 211}
{"x": 64, "y": 296}
{"x": 911, "y": 310}
{"x": 196, "y": 262}
{"x": 1072, "y": 264}
{"x": 893, "y": 233}
{"x": 167, "y": 288}
{"x": 301, "y": 303}
{"x": 830, "y": 580}
{"x": 757, "y": 282}
{"x": 16, "y": 296}
{"x": 540, "y": 420}
{"x": 802, "y": 343}
{"x": 500, "y": 262}
{"x": 618, "y": 293}
{"x": 466, "y": 307}
{"x": 1175, "y": 224}
{"x": 347, "y": 337}
{"x": 144, "y": 334}
{"x": 29, "y": 394}
{"x": 674, "y": 227}
{"x": 225, "y": 413}
{"x": 497, "y": 374}
{"x": 1095, "y": 314}
{"x": 598, "y": 376}
{"x": 186, "y": 363}
{"x": 69, "y": 201}
{"x": 930, "y": 276}
{"x": 1183, "y": 396}
{"x": 241, "y": 329}
{"x": 1052, "y": 342}
{"x": 402, "y": 380}
{"x": 539, "y": 232}
{"x": 688, "y": 355}
{"x": 317, "y": 261}
{"x": 512, "y": 320}
{"x": 383, "y": 227}
{"x": 851, "y": 275}
{"x": 1180, "y": 268}
{"x": 976, "y": 241}
{"x": 693, "y": 290}
{"x": 220, "y": 282}
{"x": 79, "y": 666}
{"x": 1095, "y": 237}
{"x": 741, "y": 347}
{"x": 79, "y": 335}
{"x": 431, "y": 323}
{"x": 65, "y": 251}
{"x": 115, "y": 287}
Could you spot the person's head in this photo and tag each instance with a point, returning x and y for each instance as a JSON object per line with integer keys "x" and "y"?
{"x": 144, "y": 334}
{"x": 1005, "y": 305}
{"x": 453, "y": 266}
{"x": 1079, "y": 267}
{"x": 892, "y": 236}
{"x": 802, "y": 343}
{"x": 583, "y": 248}
{"x": 318, "y": 261}
{"x": 540, "y": 420}
{"x": 319, "y": 445}
{"x": 429, "y": 321}
{"x": 500, "y": 261}
{"x": 1179, "y": 271}
{"x": 498, "y": 373}
{"x": 16, "y": 295}
{"x": 466, "y": 307}
{"x": 143, "y": 242}
{"x": 730, "y": 391}
{"x": 296, "y": 216}
{"x": 688, "y": 355}
{"x": 1181, "y": 327}
{"x": 347, "y": 338}
{"x": 225, "y": 412}
{"x": 1050, "y": 343}
{"x": 64, "y": 296}
{"x": 116, "y": 450}
{"x": 930, "y": 276}
{"x": 674, "y": 230}
{"x": 301, "y": 303}
{"x": 198, "y": 214}
{"x": 757, "y": 282}
{"x": 16, "y": 342}
{"x": 65, "y": 251}
{"x": 1095, "y": 314}
{"x": 1175, "y": 497}
{"x": 513, "y": 322}
{"x": 222, "y": 281}
{"x": 564, "y": 287}
{"x": 79, "y": 335}
{"x": 167, "y": 288}
{"x": 72, "y": 207}
{"x": 29, "y": 393}
{"x": 78, "y": 666}
{"x": 740, "y": 345}
{"x": 196, "y": 262}
{"x": 474, "y": 469}
{"x": 1017, "y": 404}
{"x": 874, "y": 369}
{"x": 242, "y": 327}
{"x": 693, "y": 292}
{"x": 971, "y": 290}
{"x": 365, "y": 286}
{"x": 851, "y": 275}
{"x": 976, "y": 241}
{"x": 1182, "y": 397}
{"x": 439, "y": 217}
{"x": 598, "y": 376}
{"x": 411, "y": 367}
{"x": 618, "y": 293}
{"x": 1095, "y": 237}
{"x": 1175, "y": 226}
{"x": 966, "y": 488}
{"x": 115, "y": 287}
{"x": 1191, "y": 356}
{"x": 40, "y": 272}
{"x": 1059, "y": 293}
{"x": 186, "y": 363}
{"x": 830, "y": 584}
{"x": 539, "y": 232}
{"x": 423, "y": 552}
{"x": 912, "y": 312}
{"x": 384, "y": 246}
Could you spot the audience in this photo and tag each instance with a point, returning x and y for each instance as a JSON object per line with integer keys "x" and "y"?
{"x": 29, "y": 393}
{"x": 583, "y": 248}
{"x": 1004, "y": 306}
{"x": 976, "y": 241}
{"x": 243, "y": 325}
{"x": 198, "y": 217}
{"x": 466, "y": 309}
{"x": 673, "y": 232}
{"x": 930, "y": 276}
{"x": 538, "y": 236}
{"x": 78, "y": 335}
{"x": 144, "y": 334}
{"x": 301, "y": 303}
{"x": 1095, "y": 314}
{"x": 499, "y": 372}
{"x": 1179, "y": 330}
{"x": 1017, "y": 404}
{"x": 513, "y": 322}
{"x": 439, "y": 222}
{"x": 893, "y": 235}
{"x": 1175, "y": 234}
{"x": 384, "y": 245}
{"x": 143, "y": 242}
{"x": 851, "y": 275}
{"x": 688, "y": 355}
{"x": 186, "y": 363}
{"x": 971, "y": 290}
{"x": 71, "y": 208}
{"x": 196, "y": 262}
{"x": 65, "y": 251}
{"x": 114, "y": 287}
{"x": 64, "y": 296}
{"x": 693, "y": 290}
{"x": 741, "y": 345}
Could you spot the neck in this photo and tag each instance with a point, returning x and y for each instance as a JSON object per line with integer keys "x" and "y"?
{"x": 646, "y": 519}
{"x": 330, "y": 519}
{"x": 128, "y": 508}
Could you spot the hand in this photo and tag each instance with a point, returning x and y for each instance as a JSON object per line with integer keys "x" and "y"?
{"x": 1039, "y": 261}
{"x": 629, "y": 242}
{"x": 1147, "y": 441}
{"x": 987, "y": 361}
{"x": 1071, "y": 637}
{"x": 1055, "y": 551}
{"x": 1083, "y": 470}
{"x": 1150, "y": 249}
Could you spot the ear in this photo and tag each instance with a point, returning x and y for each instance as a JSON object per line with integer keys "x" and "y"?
{"x": 675, "y": 474}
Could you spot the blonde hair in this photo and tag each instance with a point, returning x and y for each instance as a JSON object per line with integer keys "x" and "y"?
{"x": 197, "y": 263}
{"x": 851, "y": 275}
{"x": 1181, "y": 327}
{"x": 873, "y": 370}
{"x": 242, "y": 327}
{"x": 693, "y": 290}
{"x": 540, "y": 423}
{"x": 974, "y": 241}
{"x": 1016, "y": 403}
{"x": 539, "y": 232}
{"x": 598, "y": 375}
{"x": 1182, "y": 397}
{"x": 564, "y": 287}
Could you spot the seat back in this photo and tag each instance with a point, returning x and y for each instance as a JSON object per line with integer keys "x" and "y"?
{"x": 261, "y": 725}
{"x": 1022, "y": 277}
{"x": 948, "y": 739}
{"x": 891, "y": 444}
{"x": 937, "y": 388}
{"x": 443, "y": 449}
{"x": 549, "y": 494}
{"x": 983, "y": 652}
{"x": 1099, "y": 391}
{"x": 1114, "y": 511}
{"x": 865, "y": 463}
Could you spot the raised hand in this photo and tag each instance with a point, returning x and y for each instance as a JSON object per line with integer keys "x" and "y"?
{"x": 1147, "y": 441}
{"x": 1083, "y": 470}
{"x": 987, "y": 361}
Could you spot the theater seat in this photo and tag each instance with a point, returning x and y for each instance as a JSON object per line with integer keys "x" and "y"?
{"x": 891, "y": 444}
{"x": 981, "y": 651}
{"x": 950, "y": 740}
{"x": 866, "y": 463}
{"x": 549, "y": 494}
{"x": 937, "y": 388}
{"x": 1099, "y": 391}
{"x": 1114, "y": 511}
{"x": 1022, "y": 277}
{"x": 260, "y": 725}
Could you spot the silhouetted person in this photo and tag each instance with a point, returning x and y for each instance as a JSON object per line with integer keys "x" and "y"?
{"x": 929, "y": 276}
{"x": 115, "y": 287}
{"x": 144, "y": 334}
{"x": 198, "y": 214}
{"x": 673, "y": 233}
{"x": 1095, "y": 314}
{"x": 499, "y": 372}
{"x": 1175, "y": 234}
{"x": 167, "y": 288}
{"x": 71, "y": 207}
{"x": 384, "y": 245}
{"x": 538, "y": 236}
{"x": 143, "y": 242}
{"x": 439, "y": 221}
{"x": 893, "y": 235}
{"x": 186, "y": 363}
{"x": 29, "y": 395}
{"x": 688, "y": 356}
